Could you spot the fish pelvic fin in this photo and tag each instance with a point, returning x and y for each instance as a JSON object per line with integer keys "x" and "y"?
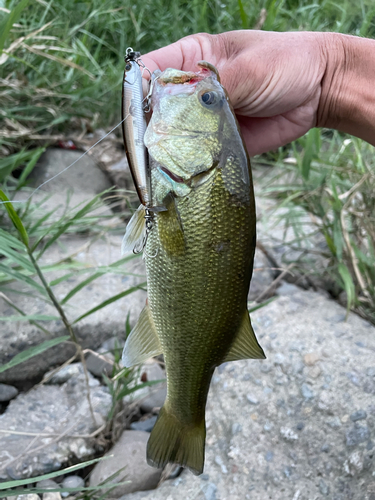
{"x": 245, "y": 345}
{"x": 143, "y": 341}
{"x": 135, "y": 231}
{"x": 172, "y": 441}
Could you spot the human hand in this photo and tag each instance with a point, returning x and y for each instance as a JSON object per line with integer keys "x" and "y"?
{"x": 274, "y": 80}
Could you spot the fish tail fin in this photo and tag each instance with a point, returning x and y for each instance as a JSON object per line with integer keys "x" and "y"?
{"x": 172, "y": 441}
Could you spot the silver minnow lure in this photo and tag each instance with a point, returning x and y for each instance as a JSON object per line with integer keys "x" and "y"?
{"x": 134, "y": 127}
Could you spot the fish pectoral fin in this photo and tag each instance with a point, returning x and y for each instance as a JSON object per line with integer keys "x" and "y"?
{"x": 143, "y": 342}
{"x": 135, "y": 231}
{"x": 170, "y": 228}
{"x": 245, "y": 345}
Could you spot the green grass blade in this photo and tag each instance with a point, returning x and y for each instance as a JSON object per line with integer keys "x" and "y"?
{"x": 29, "y": 317}
{"x": 22, "y": 482}
{"x": 93, "y": 277}
{"x": 37, "y": 153}
{"x": 24, "y": 356}
{"x": 243, "y": 15}
{"x": 14, "y": 218}
{"x": 109, "y": 301}
{"x": 7, "y": 24}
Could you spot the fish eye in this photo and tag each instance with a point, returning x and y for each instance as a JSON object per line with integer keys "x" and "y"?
{"x": 209, "y": 98}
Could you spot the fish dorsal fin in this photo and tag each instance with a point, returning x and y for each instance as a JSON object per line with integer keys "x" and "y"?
{"x": 135, "y": 231}
{"x": 142, "y": 342}
{"x": 245, "y": 345}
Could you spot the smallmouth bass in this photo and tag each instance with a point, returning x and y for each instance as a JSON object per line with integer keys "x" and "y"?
{"x": 199, "y": 255}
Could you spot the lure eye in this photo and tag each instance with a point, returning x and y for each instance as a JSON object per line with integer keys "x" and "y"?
{"x": 128, "y": 66}
{"x": 210, "y": 99}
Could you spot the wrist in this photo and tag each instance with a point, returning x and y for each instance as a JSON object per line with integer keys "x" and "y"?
{"x": 347, "y": 100}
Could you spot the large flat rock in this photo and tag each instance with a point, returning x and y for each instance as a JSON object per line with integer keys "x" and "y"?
{"x": 299, "y": 425}
{"x": 50, "y": 426}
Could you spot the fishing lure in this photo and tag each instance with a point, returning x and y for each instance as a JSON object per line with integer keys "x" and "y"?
{"x": 134, "y": 126}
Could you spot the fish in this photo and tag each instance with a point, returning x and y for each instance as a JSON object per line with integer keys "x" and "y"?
{"x": 199, "y": 255}
{"x": 134, "y": 126}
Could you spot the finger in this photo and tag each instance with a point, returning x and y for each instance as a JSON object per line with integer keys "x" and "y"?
{"x": 182, "y": 55}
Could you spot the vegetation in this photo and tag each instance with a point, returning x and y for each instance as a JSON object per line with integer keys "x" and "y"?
{"x": 61, "y": 64}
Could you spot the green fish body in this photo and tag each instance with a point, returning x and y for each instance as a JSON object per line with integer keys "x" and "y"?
{"x": 199, "y": 256}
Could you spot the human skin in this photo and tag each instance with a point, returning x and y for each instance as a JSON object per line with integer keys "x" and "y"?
{"x": 283, "y": 84}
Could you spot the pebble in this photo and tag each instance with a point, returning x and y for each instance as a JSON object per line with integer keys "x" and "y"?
{"x": 334, "y": 422}
{"x": 311, "y": 358}
{"x": 323, "y": 488}
{"x": 47, "y": 484}
{"x": 100, "y": 364}
{"x": 357, "y": 434}
{"x": 52, "y": 495}
{"x": 73, "y": 482}
{"x": 28, "y": 496}
{"x": 358, "y": 415}
{"x": 307, "y": 393}
{"x": 269, "y": 456}
{"x": 144, "y": 425}
{"x": 64, "y": 374}
{"x": 7, "y": 392}
{"x": 209, "y": 491}
{"x": 236, "y": 428}
{"x": 252, "y": 399}
{"x": 300, "y": 426}
{"x": 325, "y": 448}
{"x": 288, "y": 434}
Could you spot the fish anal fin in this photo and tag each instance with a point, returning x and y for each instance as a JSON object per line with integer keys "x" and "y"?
{"x": 245, "y": 345}
{"x": 142, "y": 342}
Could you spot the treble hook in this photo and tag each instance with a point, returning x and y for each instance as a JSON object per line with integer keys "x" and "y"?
{"x": 149, "y": 225}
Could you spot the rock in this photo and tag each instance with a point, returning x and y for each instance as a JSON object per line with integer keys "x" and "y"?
{"x": 357, "y": 434}
{"x": 92, "y": 330}
{"x": 323, "y": 488}
{"x": 261, "y": 461}
{"x": 252, "y": 399}
{"x": 143, "y": 425}
{"x": 153, "y": 396}
{"x": 307, "y": 393}
{"x": 63, "y": 374}
{"x": 7, "y": 392}
{"x": 262, "y": 278}
{"x": 358, "y": 415}
{"x": 75, "y": 179}
{"x": 52, "y": 495}
{"x": 311, "y": 358}
{"x": 73, "y": 481}
{"x": 28, "y": 496}
{"x": 288, "y": 434}
{"x": 99, "y": 364}
{"x": 61, "y": 415}
{"x": 129, "y": 454}
{"x": 47, "y": 484}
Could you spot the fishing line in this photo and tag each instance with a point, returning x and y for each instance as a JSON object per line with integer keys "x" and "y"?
{"x": 66, "y": 168}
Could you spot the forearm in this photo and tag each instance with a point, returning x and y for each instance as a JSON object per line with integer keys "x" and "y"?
{"x": 347, "y": 101}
